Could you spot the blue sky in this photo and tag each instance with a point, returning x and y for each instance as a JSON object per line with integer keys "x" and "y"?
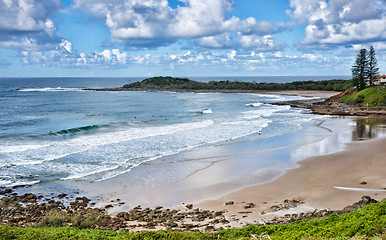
{"x": 122, "y": 38}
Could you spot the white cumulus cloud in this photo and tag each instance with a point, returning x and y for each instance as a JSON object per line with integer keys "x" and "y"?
{"x": 153, "y": 23}
{"x": 340, "y": 22}
{"x": 27, "y": 24}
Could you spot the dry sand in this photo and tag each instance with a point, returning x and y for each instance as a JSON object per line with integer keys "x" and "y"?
{"x": 318, "y": 181}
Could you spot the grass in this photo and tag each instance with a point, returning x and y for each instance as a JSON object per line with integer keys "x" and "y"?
{"x": 85, "y": 219}
{"x": 372, "y": 96}
{"x": 366, "y": 223}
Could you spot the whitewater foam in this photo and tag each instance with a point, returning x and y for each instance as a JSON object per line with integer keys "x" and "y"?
{"x": 206, "y": 111}
{"x": 50, "y": 89}
{"x": 102, "y": 148}
{"x": 265, "y": 111}
{"x": 258, "y": 104}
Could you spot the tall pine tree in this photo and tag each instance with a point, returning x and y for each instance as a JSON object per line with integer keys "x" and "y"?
{"x": 360, "y": 70}
{"x": 373, "y": 69}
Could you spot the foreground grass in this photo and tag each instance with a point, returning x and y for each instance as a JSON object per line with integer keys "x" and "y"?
{"x": 367, "y": 223}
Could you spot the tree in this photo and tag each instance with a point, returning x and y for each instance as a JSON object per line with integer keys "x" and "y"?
{"x": 360, "y": 70}
{"x": 373, "y": 66}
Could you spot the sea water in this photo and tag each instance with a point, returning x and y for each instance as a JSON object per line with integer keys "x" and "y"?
{"x": 53, "y": 131}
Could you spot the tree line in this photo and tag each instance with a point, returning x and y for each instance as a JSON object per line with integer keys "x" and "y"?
{"x": 364, "y": 69}
{"x": 167, "y": 82}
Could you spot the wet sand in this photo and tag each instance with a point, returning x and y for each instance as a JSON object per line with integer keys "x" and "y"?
{"x": 330, "y": 181}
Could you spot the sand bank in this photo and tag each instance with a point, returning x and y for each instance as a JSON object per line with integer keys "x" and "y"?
{"x": 304, "y": 93}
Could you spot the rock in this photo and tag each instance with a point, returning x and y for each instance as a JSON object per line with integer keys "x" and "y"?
{"x": 368, "y": 200}
{"x": 171, "y": 224}
{"x": 229, "y": 203}
{"x": 363, "y": 183}
{"x": 220, "y": 213}
{"x": 250, "y": 205}
{"x": 189, "y": 206}
{"x": 60, "y": 196}
{"x": 6, "y": 191}
{"x": 209, "y": 229}
{"x": 298, "y": 200}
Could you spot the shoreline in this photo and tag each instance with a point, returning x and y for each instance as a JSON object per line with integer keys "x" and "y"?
{"x": 321, "y": 182}
{"x": 309, "y": 187}
{"x": 267, "y": 201}
{"x": 313, "y": 190}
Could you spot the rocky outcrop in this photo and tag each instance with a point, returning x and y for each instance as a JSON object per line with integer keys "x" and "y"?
{"x": 331, "y": 107}
{"x": 32, "y": 210}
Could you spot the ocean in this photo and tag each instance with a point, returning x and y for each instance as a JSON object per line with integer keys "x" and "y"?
{"x": 51, "y": 131}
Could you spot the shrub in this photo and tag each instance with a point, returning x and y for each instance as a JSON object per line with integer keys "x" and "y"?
{"x": 55, "y": 218}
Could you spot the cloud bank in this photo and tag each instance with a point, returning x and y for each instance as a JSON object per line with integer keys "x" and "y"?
{"x": 153, "y": 23}
{"x": 27, "y": 24}
{"x": 340, "y": 22}
{"x": 193, "y": 33}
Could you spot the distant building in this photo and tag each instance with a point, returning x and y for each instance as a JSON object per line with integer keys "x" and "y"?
{"x": 380, "y": 80}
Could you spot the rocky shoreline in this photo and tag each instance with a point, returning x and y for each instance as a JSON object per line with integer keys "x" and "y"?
{"x": 330, "y": 107}
{"x": 32, "y": 210}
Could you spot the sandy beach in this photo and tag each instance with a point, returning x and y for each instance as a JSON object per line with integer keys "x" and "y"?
{"x": 337, "y": 176}
{"x": 325, "y": 182}
{"x": 329, "y": 181}
{"x": 229, "y": 173}
{"x": 232, "y": 185}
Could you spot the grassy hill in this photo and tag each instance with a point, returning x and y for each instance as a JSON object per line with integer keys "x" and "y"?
{"x": 367, "y": 223}
{"x": 372, "y": 96}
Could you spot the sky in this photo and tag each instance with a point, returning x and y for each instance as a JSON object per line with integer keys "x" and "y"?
{"x": 128, "y": 38}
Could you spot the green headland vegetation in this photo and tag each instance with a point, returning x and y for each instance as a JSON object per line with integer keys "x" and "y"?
{"x": 369, "y": 97}
{"x": 365, "y": 92}
{"x": 366, "y": 223}
{"x": 173, "y": 83}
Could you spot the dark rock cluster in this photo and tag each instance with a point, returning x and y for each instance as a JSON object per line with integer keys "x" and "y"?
{"x": 171, "y": 219}
{"x": 31, "y": 210}
{"x": 290, "y": 218}
{"x": 287, "y": 204}
{"x": 331, "y": 107}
